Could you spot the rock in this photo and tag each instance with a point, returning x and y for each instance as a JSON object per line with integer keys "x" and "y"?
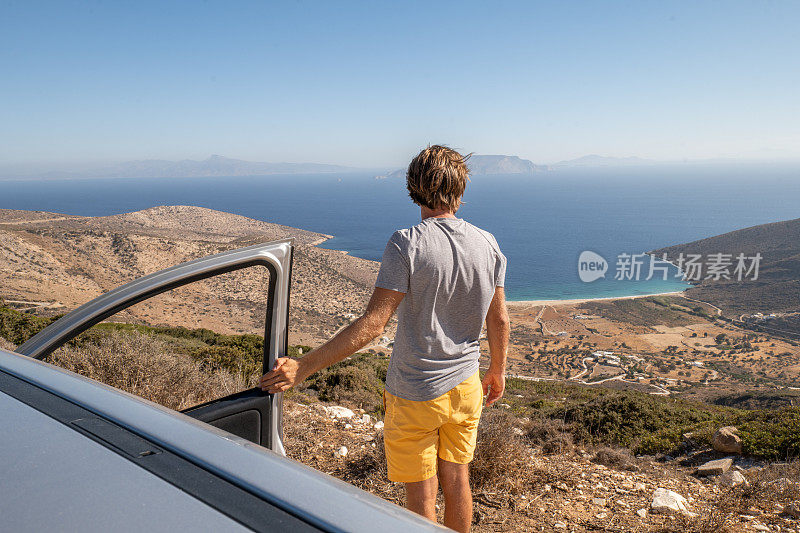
{"x": 560, "y": 525}
{"x": 348, "y": 426}
{"x": 319, "y": 408}
{"x": 365, "y": 419}
{"x": 666, "y": 501}
{"x": 505, "y": 406}
{"x": 562, "y": 486}
{"x": 792, "y": 509}
{"x": 781, "y": 483}
{"x": 715, "y": 468}
{"x": 337, "y": 411}
{"x": 379, "y": 424}
{"x": 732, "y": 478}
{"x": 599, "y": 501}
{"x": 342, "y": 451}
{"x": 759, "y": 527}
{"x": 642, "y": 513}
{"x": 727, "y": 440}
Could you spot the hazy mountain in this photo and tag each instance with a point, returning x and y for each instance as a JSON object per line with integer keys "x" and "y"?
{"x": 484, "y": 165}
{"x": 215, "y": 165}
{"x": 594, "y": 160}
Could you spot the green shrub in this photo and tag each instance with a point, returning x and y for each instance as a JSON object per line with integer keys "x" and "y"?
{"x": 18, "y": 327}
{"x": 771, "y": 434}
{"x": 358, "y": 380}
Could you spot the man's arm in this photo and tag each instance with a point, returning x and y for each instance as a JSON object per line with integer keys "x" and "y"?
{"x": 288, "y": 372}
{"x": 497, "y": 327}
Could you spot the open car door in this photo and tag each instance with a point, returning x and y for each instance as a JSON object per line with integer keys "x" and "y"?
{"x": 251, "y": 414}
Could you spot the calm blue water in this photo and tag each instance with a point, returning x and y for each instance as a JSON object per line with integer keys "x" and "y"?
{"x": 542, "y": 223}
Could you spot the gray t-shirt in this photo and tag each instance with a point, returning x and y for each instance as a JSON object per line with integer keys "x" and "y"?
{"x": 448, "y": 270}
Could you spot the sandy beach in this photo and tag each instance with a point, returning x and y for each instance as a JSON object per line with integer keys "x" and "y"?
{"x": 528, "y": 303}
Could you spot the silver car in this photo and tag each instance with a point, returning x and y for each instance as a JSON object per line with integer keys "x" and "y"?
{"x": 77, "y": 455}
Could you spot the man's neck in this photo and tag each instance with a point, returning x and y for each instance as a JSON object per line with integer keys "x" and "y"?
{"x": 426, "y": 212}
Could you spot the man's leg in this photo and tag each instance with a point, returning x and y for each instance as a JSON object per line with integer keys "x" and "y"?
{"x": 421, "y": 497}
{"x": 454, "y": 479}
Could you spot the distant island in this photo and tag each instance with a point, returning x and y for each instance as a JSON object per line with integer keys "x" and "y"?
{"x": 485, "y": 165}
{"x": 594, "y": 160}
{"x": 216, "y": 165}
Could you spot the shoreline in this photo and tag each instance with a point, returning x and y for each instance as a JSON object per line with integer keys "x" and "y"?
{"x": 514, "y": 303}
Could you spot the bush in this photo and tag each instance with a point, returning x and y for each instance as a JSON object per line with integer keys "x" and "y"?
{"x": 772, "y": 434}
{"x": 552, "y": 435}
{"x": 358, "y": 381}
{"x": 621, "y": 459}
{"x": 145, "y": 366}
{"x": 17, "y": 327}
{"x": 500, "y": 457}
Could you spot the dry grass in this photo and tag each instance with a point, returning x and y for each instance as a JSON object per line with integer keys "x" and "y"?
{"x": 774, "y": 485}
{"x": 617, "y": 458}
{"x": 550, "y": 434}
{"x": 145, "y": 366}
{"x": 501, "y": 458}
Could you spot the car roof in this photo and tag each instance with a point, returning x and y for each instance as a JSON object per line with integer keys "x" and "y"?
{"x": 58, "y": 480}
{"x": 111, "y": 421}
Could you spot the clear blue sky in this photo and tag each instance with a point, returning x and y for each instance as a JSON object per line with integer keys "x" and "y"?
{"x": 369, "y": 83}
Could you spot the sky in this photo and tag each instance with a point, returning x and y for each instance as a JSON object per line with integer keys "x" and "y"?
{"x": 370, "y": 83}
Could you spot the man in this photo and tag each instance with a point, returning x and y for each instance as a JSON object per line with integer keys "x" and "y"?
{"x": 444, "y": 277}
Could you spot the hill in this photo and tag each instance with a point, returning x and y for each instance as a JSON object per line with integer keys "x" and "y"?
{"x": 777, "y": 289}
{"x": 57, "y": 261}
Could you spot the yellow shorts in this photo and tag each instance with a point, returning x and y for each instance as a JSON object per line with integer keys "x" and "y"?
{"x": 416, "y": 433}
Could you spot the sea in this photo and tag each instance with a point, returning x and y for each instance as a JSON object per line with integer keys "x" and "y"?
{"x": 543, "y": 222}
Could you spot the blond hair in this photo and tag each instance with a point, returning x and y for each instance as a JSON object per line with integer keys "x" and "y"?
{"x": 437, "y": 177}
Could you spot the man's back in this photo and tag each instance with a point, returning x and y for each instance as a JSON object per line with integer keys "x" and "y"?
{"x": 448, "y": 269}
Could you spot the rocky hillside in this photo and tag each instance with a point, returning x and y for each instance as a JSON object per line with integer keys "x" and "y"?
{"x": 61, "y": 261}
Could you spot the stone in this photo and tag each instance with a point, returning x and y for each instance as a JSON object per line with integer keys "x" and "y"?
{"x": 732, "y": 478}
{"x": 727, "y": 440}
{"x": 715, "y": 467}
{"x": 792, "y": 509}
{"x": 759, "y": 527}
{"x": 666, "y": 501}
{"x": 342, "y": 451}
{"x": 379, "y": 424}
{"x": 642, "y": 513}
{"x": 599, "y": 501}
{"x": 365, "y": 419}
{"x": 781, "y": 483}
{"x": 560, "y": 525}
{"x": 337, "y": 411}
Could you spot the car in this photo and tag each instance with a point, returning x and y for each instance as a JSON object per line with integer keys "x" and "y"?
{"x": 78, "y": 455}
